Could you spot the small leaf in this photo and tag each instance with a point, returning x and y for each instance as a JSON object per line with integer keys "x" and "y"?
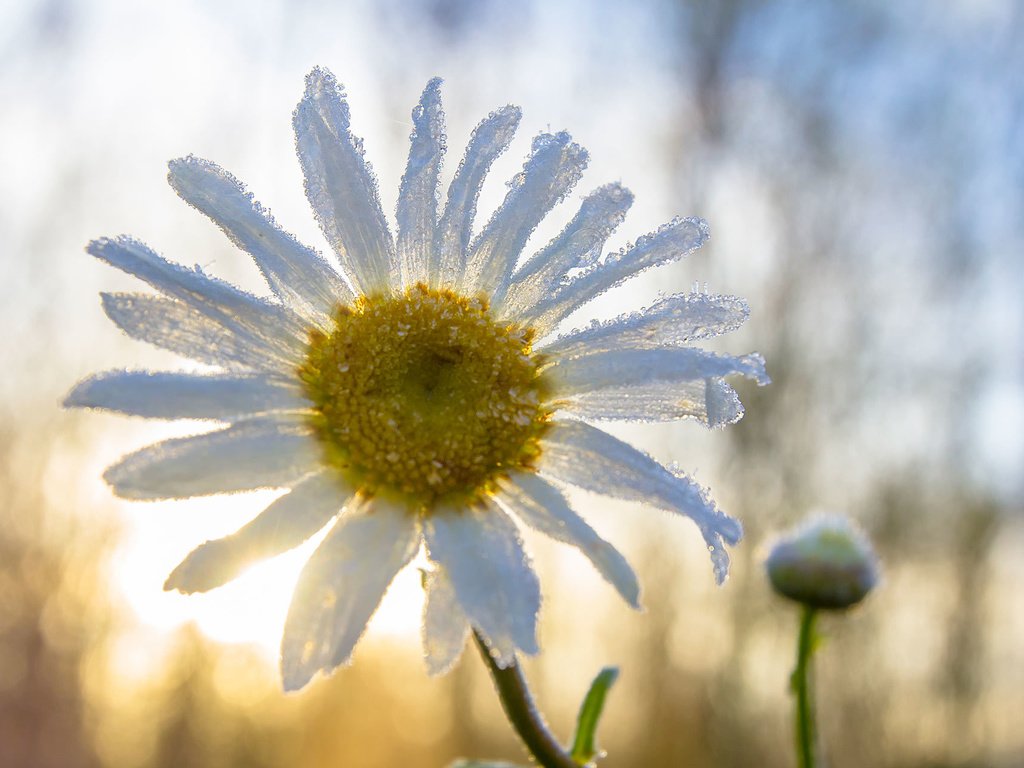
{"x": 584, "y": 748}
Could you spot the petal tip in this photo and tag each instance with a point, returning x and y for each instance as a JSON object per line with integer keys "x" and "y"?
{"x": 97, "y": 246}
{"x": 77, "y": 397}
{"x": 296, "y": 669}
{"x": 293, "y": 682}
{"x": 173, "y": 582}
{"x": 320, "y": 79}
{"x": 633, "y": 600}
{"x": 507, "y": 118}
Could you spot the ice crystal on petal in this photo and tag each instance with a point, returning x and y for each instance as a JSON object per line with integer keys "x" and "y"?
{"x": 577, "y": 247}
{"x": 552, "y": 170}
{"x": 417, "y": 199}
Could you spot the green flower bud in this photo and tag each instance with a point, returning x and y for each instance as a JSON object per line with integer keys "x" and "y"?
{"x": 825, "y": 563}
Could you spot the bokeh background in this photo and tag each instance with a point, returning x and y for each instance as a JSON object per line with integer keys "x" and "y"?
{"x": 861, "y": 166}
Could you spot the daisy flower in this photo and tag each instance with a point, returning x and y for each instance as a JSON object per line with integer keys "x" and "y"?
{"x": 414, "y": 391}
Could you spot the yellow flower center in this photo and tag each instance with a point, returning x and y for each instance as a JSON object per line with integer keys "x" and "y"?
{"x": 424, "y": 396}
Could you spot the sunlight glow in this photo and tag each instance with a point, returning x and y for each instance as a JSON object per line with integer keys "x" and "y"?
{"x": 250, "y": 609}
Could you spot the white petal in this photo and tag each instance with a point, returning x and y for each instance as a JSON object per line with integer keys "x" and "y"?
{"x": 445, "y": 626}
{"x": 278, "y": 329}
{"x": 581, "y": 455}
{"x": 711, "y": 401}
{"x": 673, "y": 321}
{"x": 623, "y": 368}
{"x": 554, "y": 166}
{"x": 341, "y": 587}
{"x": 542, "y": 506}
{"x": 265, "y": 452}
{"x": 297, "y": 274}
{"x": 340, "y": 185}
{"x": 670, "y": 242}
{"x": 417, "y": 198}
{"x": 483, "y": 555}
{"x": 173, "y": 325}
{"x": 577, "y": 247}
{"x": 286, "y": 523}
{"x": 488, "y": 141}
{"x": 173, "y": 395}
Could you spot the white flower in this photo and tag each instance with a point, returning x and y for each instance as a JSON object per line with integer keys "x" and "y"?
{"x": 417, "y": 393}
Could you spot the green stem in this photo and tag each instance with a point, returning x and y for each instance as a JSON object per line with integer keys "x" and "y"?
{"x": 523, "y": 714}
{"x": 805, "y": 730}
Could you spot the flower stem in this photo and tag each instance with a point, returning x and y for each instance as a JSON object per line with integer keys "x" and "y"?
{"x": 805, "y": 728}
{"x": 523, "y": 714}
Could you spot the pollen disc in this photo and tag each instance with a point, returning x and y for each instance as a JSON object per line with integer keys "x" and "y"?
{"x": 425, "y": 396}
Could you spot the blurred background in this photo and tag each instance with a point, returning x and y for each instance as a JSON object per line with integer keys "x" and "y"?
{"x": 861, "y": 166}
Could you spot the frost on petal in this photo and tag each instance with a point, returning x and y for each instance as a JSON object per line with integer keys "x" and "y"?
{"x": 672, "y": 321}
{"x": 712, "y": 402}
{"x": 543, "y": 507}
{"x": 445, "y": 626}
{"x": 278, "y": 329}
{"x": 341, "y": 587}
{"x": 581, "y": 455}
{"x": 175, "y": 326}
{"x": 624, "y": 368}
{"x": 173, "y": 395}
{"x": 577, "y": 247}
{"x": 264, "y": 452}
{"x": 286, "y": 523}
{"x": 554, "y": 166}
{"x": 722, "y": 404}
{"x": 482, "y": 553}
{"x": 488, "y": 141}
{"x": 672, "y": 241}
{"x": 297, "y": 274}
{"x": 340, "y": 185}
{"x": 417, "y": 198}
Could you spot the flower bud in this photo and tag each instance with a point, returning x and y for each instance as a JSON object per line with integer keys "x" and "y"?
{"x": 824, "y": 563}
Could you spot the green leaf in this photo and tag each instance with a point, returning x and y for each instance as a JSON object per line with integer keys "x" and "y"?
{"x": 584, "y": 748}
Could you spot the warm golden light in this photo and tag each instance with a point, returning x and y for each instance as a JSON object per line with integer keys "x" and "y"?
{"x": 250, "y": 609}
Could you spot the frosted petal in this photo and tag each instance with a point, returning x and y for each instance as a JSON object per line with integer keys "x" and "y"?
{"x": 279, "y": 329}
{"x": 177, "y": 327}
{"x": 286, "y": 523}
{"x": 623, "y": 368}
{"x": 173, "y": 395}
{"x": 488, "y": 141}
{"x": 417, "y": 198}
{"x": 265, "y": 452}
{"x": 483, "y": 555}
{"x": 542, "y": 506}
{"x": 711, "y": 401}
{"x": 670, "y": 242}
{"x": 673, "y": 321}
{"x": 445, "y": 626}
{"x": 577, "y": 247}
{"x": 341, "y": 587}
{"x": 722, "y": 404}
{"x": 582, "y": 455}
{"x": 297, "y": 274}
{"x": 341, "y": 187}
{"x": 554, "y": 166}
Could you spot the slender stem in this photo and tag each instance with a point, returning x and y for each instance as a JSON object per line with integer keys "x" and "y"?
{"x": 523, "y": 714}
{"x": 805, "y": 728}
